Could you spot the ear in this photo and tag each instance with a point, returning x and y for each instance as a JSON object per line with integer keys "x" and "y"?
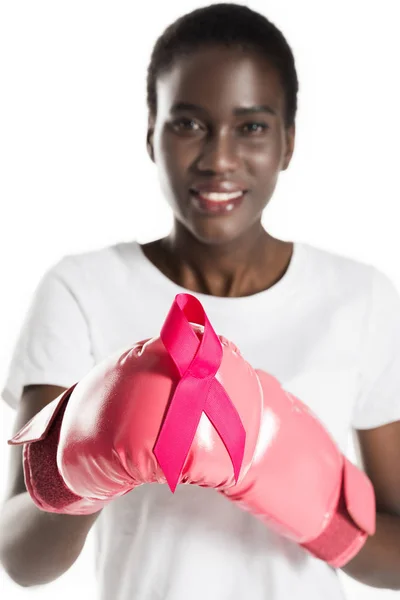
{"x": 290, "y": 135}
{"x": 150, "y": 136}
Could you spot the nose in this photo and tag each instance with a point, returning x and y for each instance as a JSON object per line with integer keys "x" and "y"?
{"x": 219, "y": 154}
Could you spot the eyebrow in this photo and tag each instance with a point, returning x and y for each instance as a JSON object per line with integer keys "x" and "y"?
{"x": 239, "y": 111}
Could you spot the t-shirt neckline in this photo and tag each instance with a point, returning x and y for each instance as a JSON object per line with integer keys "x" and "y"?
{"x": 285, "y": 287}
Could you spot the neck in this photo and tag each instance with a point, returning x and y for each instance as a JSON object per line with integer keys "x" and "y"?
{"x": 241, "y": 267}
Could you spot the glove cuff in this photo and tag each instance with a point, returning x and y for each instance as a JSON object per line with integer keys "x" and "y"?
{"x": 351, "y": 523}
{"x": 43, "y": 481}
{"x": 42, "y": 478}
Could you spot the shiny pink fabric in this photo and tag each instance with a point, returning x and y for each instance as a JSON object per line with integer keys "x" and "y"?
{"x": 174, "y": 409}
{"x": 301, "y": 485}
{"x": 128, "y": 408}
{"x": 198, "y": 391}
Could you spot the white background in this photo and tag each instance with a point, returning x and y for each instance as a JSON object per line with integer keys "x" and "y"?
{"x": 75, "y": 175}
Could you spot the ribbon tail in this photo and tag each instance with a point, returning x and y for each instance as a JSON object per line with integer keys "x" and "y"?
{"x": 179, "y": 427}
{"x": 227, "y": 422}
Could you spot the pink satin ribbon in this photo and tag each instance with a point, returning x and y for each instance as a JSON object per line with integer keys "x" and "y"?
{"x": 197, "y": 391}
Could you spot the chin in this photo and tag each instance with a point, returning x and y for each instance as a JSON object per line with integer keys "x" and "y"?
{"x": 215, "y": 236}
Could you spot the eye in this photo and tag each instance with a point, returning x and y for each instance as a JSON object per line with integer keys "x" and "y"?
{"x": 255, "y": 127}
{"x": 185, "y": 122}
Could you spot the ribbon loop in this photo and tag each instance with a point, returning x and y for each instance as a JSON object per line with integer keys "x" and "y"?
{"x": 197, "y": 391}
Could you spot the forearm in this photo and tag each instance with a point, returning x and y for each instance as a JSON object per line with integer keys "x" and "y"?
{"x": 378, "y": 562}
{"x": 38, "y": 547}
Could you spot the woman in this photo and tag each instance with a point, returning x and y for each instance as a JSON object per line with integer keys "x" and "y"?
{"x": 222, "y": 98}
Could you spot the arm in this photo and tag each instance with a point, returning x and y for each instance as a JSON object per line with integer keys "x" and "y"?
{"x": 378, "y": 562}
{"x": 36, "y": 547}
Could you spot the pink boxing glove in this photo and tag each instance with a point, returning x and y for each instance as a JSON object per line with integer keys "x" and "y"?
{"x": 137, "y": 418}
{"x": 301, "y": 485}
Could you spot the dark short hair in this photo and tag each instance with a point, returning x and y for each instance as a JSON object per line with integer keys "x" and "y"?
{"x": 230, "y": 25}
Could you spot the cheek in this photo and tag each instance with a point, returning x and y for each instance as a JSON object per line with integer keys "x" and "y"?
{"x": 176, "y": 156}
{"x": 266, "y": 169}
{"x": 266, "y": 155}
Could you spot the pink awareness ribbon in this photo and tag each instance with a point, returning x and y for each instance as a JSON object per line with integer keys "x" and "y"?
{"x": 197, "y": 391}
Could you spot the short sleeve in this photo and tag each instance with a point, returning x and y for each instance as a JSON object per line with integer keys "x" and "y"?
{"x": 378, "y": 399}
{"x": 54, "y": 344}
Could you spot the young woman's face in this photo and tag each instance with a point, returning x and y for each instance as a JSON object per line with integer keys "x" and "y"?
{"x": 201, "y": 136}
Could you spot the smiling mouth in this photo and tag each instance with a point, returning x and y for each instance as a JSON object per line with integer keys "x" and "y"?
{"x": 216, "y": 203}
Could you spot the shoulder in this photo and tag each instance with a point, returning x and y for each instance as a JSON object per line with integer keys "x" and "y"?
{"x": 339, "y": 273}
{"x": 99, "y": 264}
{"x": 351, "y": 279}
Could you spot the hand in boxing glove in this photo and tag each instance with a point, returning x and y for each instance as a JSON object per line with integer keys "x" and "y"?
{"x": 299, "y": 482}
{"x": 137, "y": 418}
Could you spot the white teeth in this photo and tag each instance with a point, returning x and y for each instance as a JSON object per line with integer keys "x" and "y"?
{"x": 220, "y": 197}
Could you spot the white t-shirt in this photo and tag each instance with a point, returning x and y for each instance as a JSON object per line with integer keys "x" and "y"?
{"x": 329, "y": 330}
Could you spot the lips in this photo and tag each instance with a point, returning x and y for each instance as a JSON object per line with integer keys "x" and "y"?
{"x": 224, "y": 187}
{"x": 218, "y": 196}
{"x": 216, "y": 206}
